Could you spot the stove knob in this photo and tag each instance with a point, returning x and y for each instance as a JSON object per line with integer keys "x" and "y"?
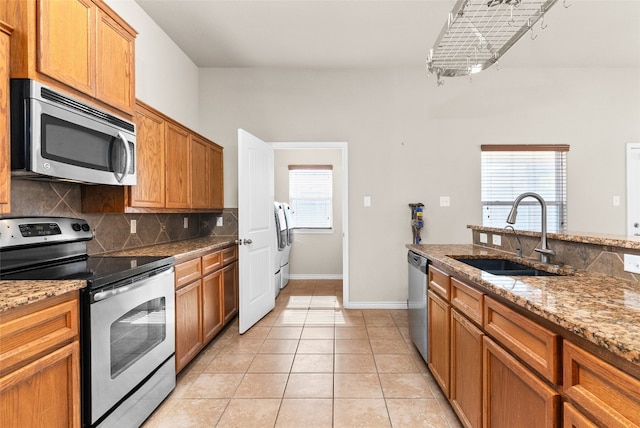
{"x": 76, "y": 227}
{"x": 85, "y": 227}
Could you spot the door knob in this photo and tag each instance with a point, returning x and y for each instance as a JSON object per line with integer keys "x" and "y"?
{"x": 247, "y": 241}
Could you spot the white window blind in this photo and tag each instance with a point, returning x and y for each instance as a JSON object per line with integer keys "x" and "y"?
{"x": 311, "y": 196}
{"x": 510, "y": 170}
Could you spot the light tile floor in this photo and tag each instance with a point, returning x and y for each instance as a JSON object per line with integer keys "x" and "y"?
{"x": 309, "y": 362}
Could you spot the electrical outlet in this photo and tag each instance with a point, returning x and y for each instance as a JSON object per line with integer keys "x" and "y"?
{"x": 185, "y": 222}
{"x": 133, "y": 226}
{"x": 496, "y": 240}
{"x": 632, "y": 263}
{"x": 483, "y": 238}
{"x": 219, "y": 222}
{"x": 445, "y": 201}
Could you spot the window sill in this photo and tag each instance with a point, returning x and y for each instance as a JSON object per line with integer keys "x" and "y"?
{"x": 313, "y": 231}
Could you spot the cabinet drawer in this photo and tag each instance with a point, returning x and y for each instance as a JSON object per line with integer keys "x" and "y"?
{"x": 607, "y": 393}
{"x": 188, "y": 271}
{"x": 534, "y": 344}
{"x": 211, "y": 262}
{"x": 467, "y": 300}
{"x": 37, "y": 332}
{"x": 440, "y": 282}
{"x": 229, "y": 255}
{"x": 574, "y": 419}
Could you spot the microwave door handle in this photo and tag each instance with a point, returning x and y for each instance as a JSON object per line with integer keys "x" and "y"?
{"x": 127, "y": 165}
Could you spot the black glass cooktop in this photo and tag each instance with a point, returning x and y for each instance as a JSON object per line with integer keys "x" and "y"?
{"x": 98, "y": 271}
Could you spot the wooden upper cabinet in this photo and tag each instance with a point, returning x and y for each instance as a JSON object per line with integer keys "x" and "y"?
{"x": 5, "y": 167}
{"x": 199, "y": 173}
{"x": 115, "y": 82}
{"x": 216, "y": 177}
{"x": 79, "y": 46}
{"x": 66, "y": 42}
{"x": 150, "y": 160}
{"x": 178, "y": 170}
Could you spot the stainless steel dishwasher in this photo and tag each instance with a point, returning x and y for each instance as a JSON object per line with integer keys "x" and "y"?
{"x": 417, "y": 302}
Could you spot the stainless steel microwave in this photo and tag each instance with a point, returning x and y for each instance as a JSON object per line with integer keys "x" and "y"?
{"x": 54, "y": 136}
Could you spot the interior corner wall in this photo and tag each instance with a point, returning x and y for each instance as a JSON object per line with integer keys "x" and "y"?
{"x": 166, "y": 79}
{"x": 314, "y": 255}
{"x": 412, "y": 141}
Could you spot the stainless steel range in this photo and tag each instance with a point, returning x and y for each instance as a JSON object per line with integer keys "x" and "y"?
{"x": 127, "y": 315}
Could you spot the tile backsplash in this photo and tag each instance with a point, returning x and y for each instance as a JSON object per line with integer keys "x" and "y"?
{"x": 112, "y": 231}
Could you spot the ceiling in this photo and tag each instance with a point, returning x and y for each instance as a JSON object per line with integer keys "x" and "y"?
{"x": 383, "y": 33}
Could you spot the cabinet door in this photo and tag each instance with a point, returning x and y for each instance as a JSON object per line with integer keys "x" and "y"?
{"x": 216, "y": 178}
{"x": 230, "y": 282}
{"x": 188, "y": 323}
{"x": 178, "y": 166}
{"x": 199, "y": 173}
{"x": 513, "y": 395}
{"x": 150, "y": 163}
{"x": 5, "y": 167}
{"x": 439, "y": 339}
{"x": 466, "y": 370}
{"x": 44, "y": 393}
{"x": 66, "y": 42}
{"x": 211, "y": 305}
{"x": 115, "y": 64}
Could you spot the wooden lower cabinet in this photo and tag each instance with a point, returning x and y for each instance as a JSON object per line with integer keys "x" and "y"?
{"x": 230, "y": 302}
{"x": 206, "y": 300}
{"x": 212, "y": 295}
{"x": 611, "y": 396}
{"x": 45, "y": 393}
{"x": 438, "y": 336}
{"x": 40, "y": 364}
{"x": 188, "y": 323}
{"x": 574, "y": 419}
{"x": 513, "y": 395}
{"x": 466, "y": 370}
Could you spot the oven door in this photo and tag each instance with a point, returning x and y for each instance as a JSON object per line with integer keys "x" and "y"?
{"x": 132, "y": 333}
{"x": 73, "y": 146}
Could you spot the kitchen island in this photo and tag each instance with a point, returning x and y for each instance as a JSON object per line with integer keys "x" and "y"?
{"x": 568, "y": 344}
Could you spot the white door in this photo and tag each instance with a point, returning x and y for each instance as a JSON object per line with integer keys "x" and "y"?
{"x": 255, "y": 228}
{"x": 633, "y": 189}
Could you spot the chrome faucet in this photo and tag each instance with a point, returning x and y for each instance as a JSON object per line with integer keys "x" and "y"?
{"x": 544, "y": 251}
{"x": 517, "y": 239}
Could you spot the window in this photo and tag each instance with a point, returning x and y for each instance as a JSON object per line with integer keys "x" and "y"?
{"x": 311, "y": 196}
{"x": 510, "y": 170}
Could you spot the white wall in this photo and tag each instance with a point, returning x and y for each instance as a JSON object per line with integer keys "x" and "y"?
{"x": 166, "y": 78}
{"x": 411, "y": 141}
{"x": 313, "y": 254}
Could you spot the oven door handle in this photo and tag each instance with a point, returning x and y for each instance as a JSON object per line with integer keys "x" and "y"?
{"x": 103, "y": 295}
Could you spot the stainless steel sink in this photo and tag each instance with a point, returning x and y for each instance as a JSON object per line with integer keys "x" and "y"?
{"x": 504, "y": 267}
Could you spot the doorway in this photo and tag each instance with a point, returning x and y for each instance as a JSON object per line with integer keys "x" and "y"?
{"x": 341, "y": 217}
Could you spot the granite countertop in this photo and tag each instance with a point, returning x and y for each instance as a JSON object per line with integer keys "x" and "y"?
{"x": 181, "y": 250}
{"x": 19, "y": 293}
{"x": 601, "y": 309}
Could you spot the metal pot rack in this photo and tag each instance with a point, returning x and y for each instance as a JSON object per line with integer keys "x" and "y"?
{"x": 479, "y": 32}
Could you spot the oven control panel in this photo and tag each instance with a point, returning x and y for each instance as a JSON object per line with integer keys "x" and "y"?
{"x": 22, "y": 231}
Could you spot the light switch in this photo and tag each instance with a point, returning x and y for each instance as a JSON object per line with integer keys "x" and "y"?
{"x": 616, "y": 201}
{"x": 483, "y": 238}
{"x": 367, "y": 201}
{"x": 445, "y": 201}
{"x": 186, "y": 223}
{"x": 133, "y": 226}
{"x": 496, "y": 240}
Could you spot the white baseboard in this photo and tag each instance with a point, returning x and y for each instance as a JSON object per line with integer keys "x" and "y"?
{"x": 315, "y": 276}
{"x": 375, "y": 305}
